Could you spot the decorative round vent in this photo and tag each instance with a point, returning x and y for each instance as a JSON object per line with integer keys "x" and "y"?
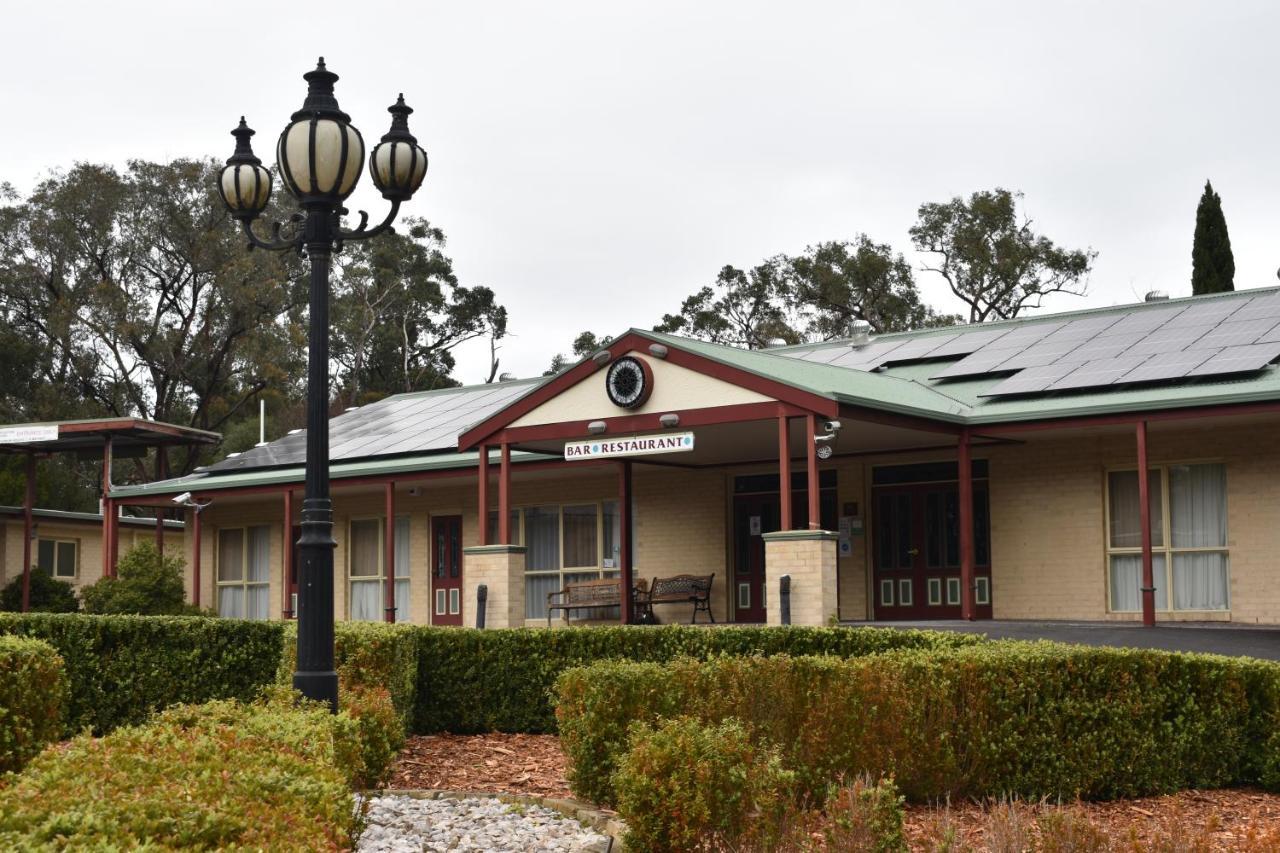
{"x": 628, "y": 382}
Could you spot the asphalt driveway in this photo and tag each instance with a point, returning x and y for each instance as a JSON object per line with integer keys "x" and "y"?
{"x": 1214, "y": 638}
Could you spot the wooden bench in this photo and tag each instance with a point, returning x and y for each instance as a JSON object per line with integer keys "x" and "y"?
{"x": 584, "y": 595}
{"x": 679, "y": 589}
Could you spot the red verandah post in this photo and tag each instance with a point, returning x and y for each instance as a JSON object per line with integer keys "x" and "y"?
{"x": 287, "y": 563}
{"x": 483, "y": 488}
{"x": 1144, "y": 515}
{"x": 389, "y": 570}
{"x": 965, "y": 477}
{"x": 811, "y": 451}
{"x": 504, "y": 496}
{"x": 28, "y": 501}
{"x": 624, "y": 540}
{"x": 784, "y": 471}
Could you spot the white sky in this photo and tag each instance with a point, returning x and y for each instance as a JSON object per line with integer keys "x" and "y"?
{"x": 595, "y": 162}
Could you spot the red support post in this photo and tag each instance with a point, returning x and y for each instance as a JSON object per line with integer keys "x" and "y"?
{"x": 389, "y": 582}
{"x": 28, "y": 502}
{"x": 784, "y": 470}
{"x": 965, "y": 477}
{"x": 286, "y": 595}
{"x": 195, "y": 556}
{"x": 624, "y": 539}
{"x": 106, "y": 507}
{"x": 504, "y": 496}
{"x": 482, "y": 486}
{"x": 811, "y": 451}
{"x": 1144, "y": 515}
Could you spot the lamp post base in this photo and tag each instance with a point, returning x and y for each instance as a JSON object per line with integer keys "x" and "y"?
{"x": 319, "y": 686}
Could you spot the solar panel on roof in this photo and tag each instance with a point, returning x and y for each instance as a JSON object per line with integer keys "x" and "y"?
{"x": 917, "y": 348}
{"x": 975, "y": 364}
{"x": 1030, "y": 381}
{"x": 1167, "y": 365}
{"x": 1259, "y": 307}
{"x": 1234, "y": 334}
{"x": 1092, "y": 374}
{"x": 1270, "y": 337}
{"x": 1083, "y": 330}
{"x": 1023, "y": 336}
{"x": 1167, "y": 340}
{"x": 1098, "y": 348}
{"x": 1238, "y": 359}
{"x": 1044, "y": 352}
{"x": 1139, "y": 322}
{"x": 1210, "y": 313}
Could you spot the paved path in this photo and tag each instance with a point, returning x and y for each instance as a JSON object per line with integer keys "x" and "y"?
{"x": 1215, "y": 638}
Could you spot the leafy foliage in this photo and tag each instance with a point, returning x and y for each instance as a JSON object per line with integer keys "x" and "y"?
{"x": 1029, "y": 719}
{"x": 1213, "y": 266}
{"x": 47, "y": 594}
{"x": 147, "y": 583}
{"x": 33, "y": 696}
{"x": 682, "y": 785}
{"x": 501, "y": 679}
{"x": 992, "y": 259}
{"x": 744, "y": 308}
{"x": 585, "y": 344}
{"x": 121, "y": 669}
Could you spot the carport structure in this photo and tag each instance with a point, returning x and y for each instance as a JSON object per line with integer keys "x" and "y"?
{"x": 107, "y": 439}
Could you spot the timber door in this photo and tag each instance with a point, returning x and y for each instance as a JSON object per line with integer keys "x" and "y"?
{"x": 446, "y": 576}
{"x": 916, "y": 551}
{"x": 753, "y": 516}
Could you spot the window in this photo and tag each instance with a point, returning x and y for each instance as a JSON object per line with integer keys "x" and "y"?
{"x": 564, "y": 544}
{"x": 58, "y": 557}
{"x": 366, "y": 564}
{"x": 1188, "y": 506}
{"x": 244, "y": 555}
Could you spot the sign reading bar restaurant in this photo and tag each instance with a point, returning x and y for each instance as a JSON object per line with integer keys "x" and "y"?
{"x": 636, "y": 445}
{"x": 28, "y": 434}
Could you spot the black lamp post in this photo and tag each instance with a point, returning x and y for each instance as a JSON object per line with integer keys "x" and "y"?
{"x": 320, "y": 156}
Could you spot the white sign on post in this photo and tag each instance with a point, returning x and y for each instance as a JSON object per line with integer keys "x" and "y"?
{"x": 636, "y": 445}
{"x": 28, "y": 434}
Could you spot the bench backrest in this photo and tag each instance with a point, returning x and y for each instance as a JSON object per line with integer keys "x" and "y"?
{"x": 680, "y": 587}
{"x": 598, "y": 592}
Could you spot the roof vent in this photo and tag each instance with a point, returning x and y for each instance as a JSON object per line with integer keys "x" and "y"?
{"x": 1156, "y": 296}
{"x": 506, "y": 377}
{"x": 774, "y": 342}
{"x": 860, "y": 333}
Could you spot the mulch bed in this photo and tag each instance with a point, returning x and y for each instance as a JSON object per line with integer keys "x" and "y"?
{"x": 1226, "y": 820}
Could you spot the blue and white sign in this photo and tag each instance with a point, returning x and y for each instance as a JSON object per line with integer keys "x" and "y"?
{"x": 636, "y": 445}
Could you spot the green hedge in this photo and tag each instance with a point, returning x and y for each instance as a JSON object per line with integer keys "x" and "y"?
{"x": 501, "y": 680}
{"x": 1031, "y": 719}
{"x": 122, "y": 669}
{"x": 33, "y": 696}
{"x": 273, "y": 776}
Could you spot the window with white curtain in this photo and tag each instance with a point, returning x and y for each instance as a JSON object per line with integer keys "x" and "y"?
{"x": 564, "y": 544}
{"x": 1190, "y": 563}
{"x": 366, "y": 563}
{"x": 244, "y": 572}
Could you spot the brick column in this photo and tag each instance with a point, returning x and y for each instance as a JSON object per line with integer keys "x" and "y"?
{"x": 501, "y": 569}
{"x": 809, "y": 556}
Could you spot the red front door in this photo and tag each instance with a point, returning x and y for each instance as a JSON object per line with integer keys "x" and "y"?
{"x": 446, "y": 576}
{"x": 916, "y": 552}
{"x": 753, "y": 516}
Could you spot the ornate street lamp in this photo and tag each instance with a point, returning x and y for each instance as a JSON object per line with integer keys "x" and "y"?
{"x": 320, "y": 155}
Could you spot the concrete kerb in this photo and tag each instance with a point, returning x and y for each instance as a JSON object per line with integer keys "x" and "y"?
{"x": 604, "y": 822}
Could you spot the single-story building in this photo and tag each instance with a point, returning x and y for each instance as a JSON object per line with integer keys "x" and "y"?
{"x": 976, "y": 471}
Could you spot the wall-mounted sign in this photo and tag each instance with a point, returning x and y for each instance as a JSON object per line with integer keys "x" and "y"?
{"x": 28, "y": 434}
{"x": 636, "y": 445}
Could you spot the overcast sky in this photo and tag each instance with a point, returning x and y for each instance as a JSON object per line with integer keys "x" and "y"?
{"x": 595, "y": 162}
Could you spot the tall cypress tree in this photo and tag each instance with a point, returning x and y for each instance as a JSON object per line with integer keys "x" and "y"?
{"x": 1213, "y": 267}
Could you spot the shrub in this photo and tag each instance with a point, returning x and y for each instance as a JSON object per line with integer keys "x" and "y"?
{"x": 224, "y": 774}
{"x": 147, "y": 583}
{"x": 380, "y": 730}
{"x": 684, "y": 784}
{"x": 46, "y": 595}
{"x": 368, "y": 654}
{"x": 865, "y": 817}
{"x": 501, "y": 680}
{"x": 33, "y": 695}
{"x": 1031, "y": 719}
{"x": 121, "y": 669}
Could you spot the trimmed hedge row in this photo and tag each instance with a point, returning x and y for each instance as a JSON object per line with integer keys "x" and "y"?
{"x": 122, "y": 669}
{"x": 33, "y": 695}
{"x": 1029, "y": 719}
{"x": 274, "y": 775}
{"x": 502, "y": 679}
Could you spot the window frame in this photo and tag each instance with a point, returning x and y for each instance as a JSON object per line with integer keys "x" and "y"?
{"x": 1166, "y": 549}
{"x": 53, "y": 570}
{"x": 244, "y": 582}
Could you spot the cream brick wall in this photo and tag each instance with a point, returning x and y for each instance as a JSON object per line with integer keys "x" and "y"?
{"x": 501, "y": 569}
{"x": 810, "y": 559}
{"x": 87, "y": 536}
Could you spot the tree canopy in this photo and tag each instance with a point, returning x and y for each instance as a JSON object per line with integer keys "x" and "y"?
{"x": 1213, "y": 266}
{"x": 743, "y": 308}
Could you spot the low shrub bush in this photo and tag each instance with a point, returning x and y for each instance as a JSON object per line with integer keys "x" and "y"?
{"x": 46, "y": 594}
{"x": 122, "y": 669}
{"x": 1029, "y": 719}
{"x": 270, "y": 776}
{"x": 368, "y": 654}
{"x": 865, "y": 817}
{"x": 33, "y": 695}
{"x": 501, "y": 680}
{"x": 147, "y": 583}
{"x": 683, "y": 785}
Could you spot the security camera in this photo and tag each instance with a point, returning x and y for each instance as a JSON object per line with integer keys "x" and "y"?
{"x": 831, "y": 426}
{"x": 183, "y": 499}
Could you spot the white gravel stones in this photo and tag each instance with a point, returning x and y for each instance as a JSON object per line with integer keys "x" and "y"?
{"x": 400, "y": 824}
